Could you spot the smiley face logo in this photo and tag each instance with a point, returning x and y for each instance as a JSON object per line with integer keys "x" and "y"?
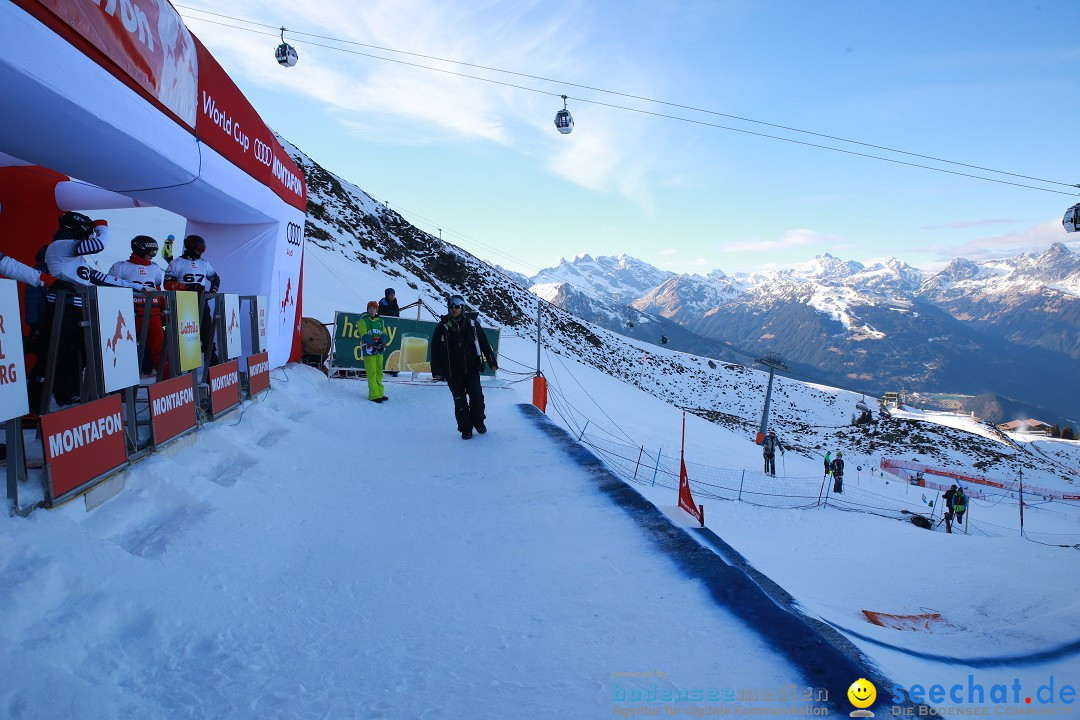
{"x": 862, "y": 693}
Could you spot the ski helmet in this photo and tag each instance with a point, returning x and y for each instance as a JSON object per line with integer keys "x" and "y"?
{"x": 455, "y": 301}
{"x": 373, "y": 304}
{"x": 195, "y": 244}
{"x": 76, "y": 221}
{"x": 389, "y": 292}
{"x": 144, "y": 246}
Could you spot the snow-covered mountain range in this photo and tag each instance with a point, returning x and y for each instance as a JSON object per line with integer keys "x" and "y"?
{"x": 972, "y": 328}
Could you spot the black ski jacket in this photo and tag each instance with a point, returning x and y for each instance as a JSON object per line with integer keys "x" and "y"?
{"x": 838, "y": 467}
{"x": 454, "y": 347}
{"x": 388, "y": 307}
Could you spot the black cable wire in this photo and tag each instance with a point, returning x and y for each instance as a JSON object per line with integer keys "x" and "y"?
{"x": 664, "y": 321}
{"x": 650, "y": 100}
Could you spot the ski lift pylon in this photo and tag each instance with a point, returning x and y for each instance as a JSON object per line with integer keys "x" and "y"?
{"x": 563, "y": 121}
{"x": 285, "y": 53}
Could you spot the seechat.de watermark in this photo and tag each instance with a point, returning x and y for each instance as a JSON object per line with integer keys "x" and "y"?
{"x": 1050, "y": 698}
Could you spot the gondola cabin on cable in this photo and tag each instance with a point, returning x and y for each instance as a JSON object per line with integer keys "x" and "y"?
{"x": 663, "y": 339}
{"x": 1072, "y": 219}
{"x": 285, "y": 53}
{"x": 563, "y": 122}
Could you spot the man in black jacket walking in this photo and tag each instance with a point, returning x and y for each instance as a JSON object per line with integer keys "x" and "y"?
{"x": 459, "y": 349}
{"x": 838, "y": 472}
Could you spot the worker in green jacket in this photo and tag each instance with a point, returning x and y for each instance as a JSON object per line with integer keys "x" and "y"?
{"x": 374, "y": 339}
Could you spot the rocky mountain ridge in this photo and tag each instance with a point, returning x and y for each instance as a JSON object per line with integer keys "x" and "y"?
{"x": 1009, "y": 326}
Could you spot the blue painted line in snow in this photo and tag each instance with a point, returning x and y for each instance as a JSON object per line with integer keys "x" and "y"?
{"x": 826, "y": 659}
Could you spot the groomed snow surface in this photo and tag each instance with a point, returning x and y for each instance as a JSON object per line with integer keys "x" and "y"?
{"x": 321, "y": 556}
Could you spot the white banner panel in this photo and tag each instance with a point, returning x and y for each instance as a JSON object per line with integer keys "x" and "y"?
{"x": 13, "y": 402}
{"x": 260, "y": 312}
{"x": 117, "y": 334}
{"x": 233, "y": 332}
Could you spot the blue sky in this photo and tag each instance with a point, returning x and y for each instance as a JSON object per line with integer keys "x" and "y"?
{"x": 992, "y": 84}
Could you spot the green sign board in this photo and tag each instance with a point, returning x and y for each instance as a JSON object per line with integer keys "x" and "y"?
{"x": 409, "y": 349}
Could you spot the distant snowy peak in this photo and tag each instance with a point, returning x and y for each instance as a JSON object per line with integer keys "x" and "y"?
{"x": 581, "y": 303}
{"x": 827, "y": 268}
{"x": 1057, "y": 268}
{"x": 519, "y": 279}
{"x": 887, "y": 276}
{"x": 685, "y": 298}
{"x": 621, "y": 278}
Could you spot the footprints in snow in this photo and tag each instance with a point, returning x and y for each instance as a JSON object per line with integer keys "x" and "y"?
{"x": 151, "y": 539}
{"x": 271, "y": 438}
{"x": 228, "y": 472}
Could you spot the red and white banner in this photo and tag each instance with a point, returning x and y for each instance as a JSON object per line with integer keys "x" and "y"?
{"x": 13, "y": 401}
{"x": 172, "y": 407}
{"x": 228, "y": 123}
{"x": 145, "y": 41}
{"x": 686, "y": 499}
{"x": 258, "y": 373}
{"x": 224, "y": 386}
{"x": 117, "y": 330}
{"x": 83, "y": 442}
{"x": 146, "y": 46}
{"x": 898, "y": 468}
{"x": 233, "y": 332}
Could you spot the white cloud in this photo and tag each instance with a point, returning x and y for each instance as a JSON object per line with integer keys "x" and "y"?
{"x": 790, "y": 239}
{"x": 401, "y": 104}
{"x": 962, "y": 224}
{"x": 1034, "y": 238}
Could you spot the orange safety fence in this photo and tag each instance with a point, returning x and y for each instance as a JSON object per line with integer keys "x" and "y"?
{"x": 890, "y": 464}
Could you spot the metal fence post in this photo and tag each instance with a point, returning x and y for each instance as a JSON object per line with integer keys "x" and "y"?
{"x": 583, "y": 431}
{"x": 640, "y": 453}
{"x": 657, "y": 468}
{"x": 741, "y": 481}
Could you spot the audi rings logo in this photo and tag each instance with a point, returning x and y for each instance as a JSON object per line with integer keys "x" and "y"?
{"x": 263, "y": 153}
{"x": 294, "y": 233}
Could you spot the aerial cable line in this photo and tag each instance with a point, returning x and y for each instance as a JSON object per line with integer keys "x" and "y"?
{"x": 651, "y": 100}
{"x": 713, "y": 341}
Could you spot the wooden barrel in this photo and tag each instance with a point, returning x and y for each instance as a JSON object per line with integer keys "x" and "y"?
{"x": 314, "y": 337}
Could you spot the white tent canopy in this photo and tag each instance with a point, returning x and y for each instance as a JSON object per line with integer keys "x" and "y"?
{"x": 143, "y": 115}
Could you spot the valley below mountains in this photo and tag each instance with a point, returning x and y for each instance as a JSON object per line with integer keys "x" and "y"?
{"x": 1009, "y": 328}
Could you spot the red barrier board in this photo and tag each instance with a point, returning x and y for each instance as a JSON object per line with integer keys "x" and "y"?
{"x": 224, "y": 386}
{"x": 172, "y": 407}
{"x": 83, "y": 442}
{"x": 258, "y": 373}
